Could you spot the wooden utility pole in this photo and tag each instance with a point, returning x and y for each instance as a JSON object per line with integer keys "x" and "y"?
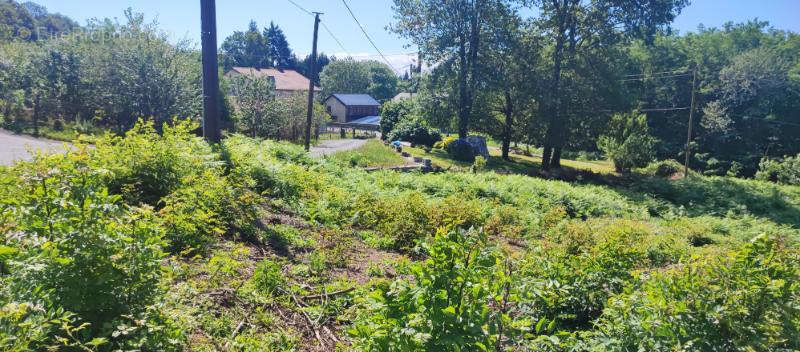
{"x": 691, "y": 121}
{"x": 311, "y": 81}
{"x": 211, "y": 108}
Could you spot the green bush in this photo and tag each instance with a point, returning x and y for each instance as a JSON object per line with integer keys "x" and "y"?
{"x": 458, "y": 301}
{"x": 268, "y": 277}
{"x": 747, "y": 301}
{"x": 145, "y": 166}
{"x": 414, "y": 131}
{"x": 461, "y": 150}
{"x": 786, "y": 171}
{"x": 393, "y": 112}
{"x": 628, "y": 143}
{"x": 665, "y": 168}
{"x": 444, "y": 142}
{"x": 78, "y": 246}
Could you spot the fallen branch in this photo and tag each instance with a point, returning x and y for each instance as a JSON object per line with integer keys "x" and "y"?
{"x": 329, "y": 294}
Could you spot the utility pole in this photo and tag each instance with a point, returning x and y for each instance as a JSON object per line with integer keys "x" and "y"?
{"x": 311, "y": 81}
{"x": 211, "y": 109}
{"x": 691, "y": 121}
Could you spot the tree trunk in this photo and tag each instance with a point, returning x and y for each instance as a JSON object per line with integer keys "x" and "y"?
{"x": 509, "y": 110}
{"x": 551, "y": 138}
{"x": 36, "y": 111}
{"x": 463, "y": 112}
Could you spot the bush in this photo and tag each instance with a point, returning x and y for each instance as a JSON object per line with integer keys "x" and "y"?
{"x": 79, "y": 247}
{"x": 444, "y": 142}
{"x": 393, "y": 112}
{"x": 479, "y": 165}
{"x": 268, "y": 277}
{"x": 145, "y": 166}
{"x": 746, "y": 301}
{"x": 628, "y": 143}
{"x": 666, "y": 168}
{"x": 414, "y": 131}
{"x": 461, "y": 150}
{"x": 786, "y": 171}
{"x": 457, "y": 302}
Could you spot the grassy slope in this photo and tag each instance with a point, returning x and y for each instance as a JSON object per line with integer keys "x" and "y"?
{"x": 373, "y": 154}
{"x": 330, "y": 228}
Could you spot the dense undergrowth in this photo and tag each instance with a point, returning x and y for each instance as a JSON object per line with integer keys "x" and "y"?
{"x": 162, "y": 242}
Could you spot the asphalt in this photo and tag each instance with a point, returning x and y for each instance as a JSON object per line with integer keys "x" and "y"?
{"x": 336, "y": 145}
{"x": 15, "y": 147}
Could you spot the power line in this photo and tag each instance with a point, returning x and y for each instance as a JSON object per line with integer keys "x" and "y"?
{"x": 367, "y": 35}
{"x": 657, "y": 73}
{"x": 334, "y": 38}
{"x": 301, "y": 8}
{"x": 659, "y": 77}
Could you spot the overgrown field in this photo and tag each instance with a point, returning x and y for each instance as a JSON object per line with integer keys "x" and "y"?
{"x": 160, "y": 242}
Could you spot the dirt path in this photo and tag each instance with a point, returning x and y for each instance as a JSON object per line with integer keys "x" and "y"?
{"x": 15, "y": 147}
{"x": 337, "y": 145}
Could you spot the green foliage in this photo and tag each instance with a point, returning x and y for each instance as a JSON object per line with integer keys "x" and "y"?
{"x": 461, "y": 150}
{"x": 373, "y": 153}
{"x": 415, "y": 131}
{"x": 80, "y": 247}
{"x": 479, "y": 165}
{"x": 445, "y": 142}
{"x": 744, "y": 301}
{"x": 457, "y": 301}
{"x": 628, "y": 142}
{"x": 786, "y": 171}
{"x": 145, "y": 166}
{"x": 268, "y": 277}
{"x": 358, "y": 77}
{"x": 393, "y": 112}
{"x": 665, "y": 168}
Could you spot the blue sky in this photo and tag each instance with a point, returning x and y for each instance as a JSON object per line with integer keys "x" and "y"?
{"x": 181, "y": 18}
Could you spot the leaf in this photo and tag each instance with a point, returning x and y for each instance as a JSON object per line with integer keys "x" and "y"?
{"x": 540, "y": 324}
{"x": 97, "y": 341}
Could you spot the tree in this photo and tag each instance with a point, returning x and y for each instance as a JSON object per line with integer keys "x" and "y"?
{"x": 576, "y": 25}
{"x": 628, "y": 142}
{"x": 450, "y": 32}
{"x": 322, "y": 61}
{"x": 279, "y": 52}
{"x": 246, "y": 49}
{"x": 383, "y": 81}
{"x": 345, "y": 77}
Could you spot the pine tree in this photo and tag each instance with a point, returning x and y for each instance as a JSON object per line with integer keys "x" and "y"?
{"x": 279, "y": 50}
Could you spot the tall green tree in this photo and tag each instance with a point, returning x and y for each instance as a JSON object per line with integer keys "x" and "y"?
{"x": 279, "y": 52}
{"x": 247, "y": 49}
{"x": 451, "y": 32}
{"x": 345, "y": 77}
{"x": 575, "y": 25}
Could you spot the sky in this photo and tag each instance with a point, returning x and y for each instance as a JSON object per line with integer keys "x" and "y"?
{"x": 181, "y": 19}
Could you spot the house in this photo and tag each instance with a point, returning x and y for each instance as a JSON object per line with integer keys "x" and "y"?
{"x": 287, "y": 82}
{"x": 345, "y": 108}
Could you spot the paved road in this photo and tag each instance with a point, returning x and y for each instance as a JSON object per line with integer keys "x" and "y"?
{"x": 337, "y": 145}
{"x": 14, "y": 147}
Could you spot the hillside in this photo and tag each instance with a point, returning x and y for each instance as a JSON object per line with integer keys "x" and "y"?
{"x": 163, "y": 242}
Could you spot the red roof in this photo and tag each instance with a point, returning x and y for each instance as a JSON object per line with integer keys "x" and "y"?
{"x": 284, "y": 79}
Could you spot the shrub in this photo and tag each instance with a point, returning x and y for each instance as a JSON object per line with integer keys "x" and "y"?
{"x": 665, "y": 168}
{"x": 268, "y": 277}
{"x": 479, "y": 165}
{"x": 145, "y": 166}
{"x": 628, "y": 143}
{"x": 444, "y": 142}
{"x": 786, "y": 171}
{"x": 461, "y": 150}
{"x": 458, "y": 302}
{"x": 414, "y": 131}
{"x": 79, "y": 246}
{"x": 393, "y": 112}
{"x": 745, "y": 301}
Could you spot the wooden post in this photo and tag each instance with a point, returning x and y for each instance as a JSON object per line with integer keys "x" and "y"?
{"x": 311, "y": 81}
{"x": 691, "y": 121}
{"x": 211, "y": 108}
